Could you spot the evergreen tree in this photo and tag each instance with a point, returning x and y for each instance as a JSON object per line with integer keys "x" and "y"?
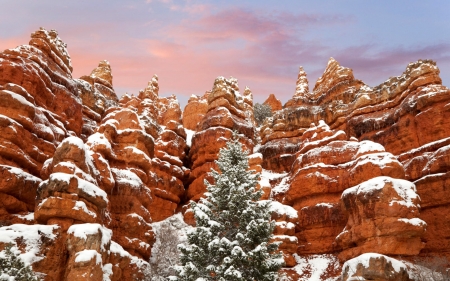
{"x": 261, "y": 112}
{"x": 13, "y": 268}
{"x": 231, "y": 238}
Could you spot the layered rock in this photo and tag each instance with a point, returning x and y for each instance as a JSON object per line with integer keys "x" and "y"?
{"x": 39, "y": 107}
{"x": 428, "y": 167}
{"x": 393, "y": 114}
{"x": 383, "y": 218}
{"x": 160, "y": 118}
{"x": 97, "y": 95}
{"x": 286, "y": 219}
{"x": 228, "y": 111}
{"x": 405, "y": 114}
{"x": 194, "y": 111}
{"x": 327, "y": 165}
{"x": 70, "y": 192}
{"x": 301, "y": 87}
{"x": 81, "y": 195}
{"x": 124, "y": 150}
{"x": 36, "y": 81}
{"x": 52, "y": 172}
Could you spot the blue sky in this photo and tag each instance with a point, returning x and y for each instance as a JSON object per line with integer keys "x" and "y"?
{"x": 262, "y": 43}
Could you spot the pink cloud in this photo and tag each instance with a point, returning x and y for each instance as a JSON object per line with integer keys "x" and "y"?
{"x": 263, "y": 50}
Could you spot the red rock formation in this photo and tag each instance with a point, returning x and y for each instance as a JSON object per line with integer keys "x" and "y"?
{"x": 273, "y": 102}
{"x": 386, "y": 114}
{"x": 301, "y": 88}
{"x": 194, "y": 111}
{"x": 383, "y": 218}
{"x": 374, "y": 267}
{"x": 97, "y": 95}
{"x": 161, "y": 118}
{"x": 396, "y": 114}
{"x": 428, "y": 167}
{"x": 228, "y": 111}
{"x": 98, "y": 170}
{"x": 38, "y": 108}
{"x": 286, "y": 219}
{"x": 327, "y": 165}
{"x": 41, "y": 102}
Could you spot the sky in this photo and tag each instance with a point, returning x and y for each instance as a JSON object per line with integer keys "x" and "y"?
{"x": 188, "y": 43}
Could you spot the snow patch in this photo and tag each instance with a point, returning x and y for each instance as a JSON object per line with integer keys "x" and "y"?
{"x": 28, "y": 217}
{"x": 414, "y": 221}
{"x": 313, "y": 267}
{"x": 85, "y": 186}
{"x": 189, "y": 135}
{"x": 84, "y": 230}
{"x": 80, "y": 205}
{"x": 364, "y": 261}
{"x": 127, "y": 177}
{"x": 405, "y": 189}
{"x": 107, "y": 272}
{"x": 281, "y": 187}
{"x": 87, "y": 255}
{"x": 266, "y": 176}
{"x": 31, "y": 236}
{"x": 282, "y": 209}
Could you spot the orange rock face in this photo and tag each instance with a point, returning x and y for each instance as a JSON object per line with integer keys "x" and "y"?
{"x": 160, "y": 118}
{"x": 194, "y": 111}
{"x": 327, "y": 164}
{"x": 273, "y": 102}
{"x": 227, "y": 112}
{"x": 383, "y": 217}
{"x": 97, "y": 95}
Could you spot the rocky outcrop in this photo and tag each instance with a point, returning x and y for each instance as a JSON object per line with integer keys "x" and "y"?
{"x": 228, "y": 111}
{"x": 97, "y": 95}
{"x": 39, "y": 107}
{"x": 160, "y": 119}
{"x": 273, "y": 102}
{"x": 393, "y": 114}
{"x": 383, "y": 217}
{"x": 301, "y": 88}
{"x": 405, "y": 115}
{"x": 286, "y": 220}
{"x": 428, "y": 167}
{"x": 194, "y": 111}
{"x": 327, "y": 167}
{"x": 67, "y": 181}
{"x": 374, "y": 267}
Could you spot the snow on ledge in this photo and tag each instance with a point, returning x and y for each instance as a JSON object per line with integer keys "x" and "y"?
{"x": 85, "y": 229}
{"x": 87, "y": 255}
{"x": 364, "y": 259}
{"x": 282, "y": 209}
{"x": 405, "y": 189}
{"x": 31, "y": 236}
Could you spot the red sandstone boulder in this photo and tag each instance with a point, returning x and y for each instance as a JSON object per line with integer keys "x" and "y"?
{"x": 383, "y": 217}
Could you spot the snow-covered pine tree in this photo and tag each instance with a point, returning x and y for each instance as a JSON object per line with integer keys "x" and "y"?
{"x": 13, "y": 268}
{"x": 233, "y": 229}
